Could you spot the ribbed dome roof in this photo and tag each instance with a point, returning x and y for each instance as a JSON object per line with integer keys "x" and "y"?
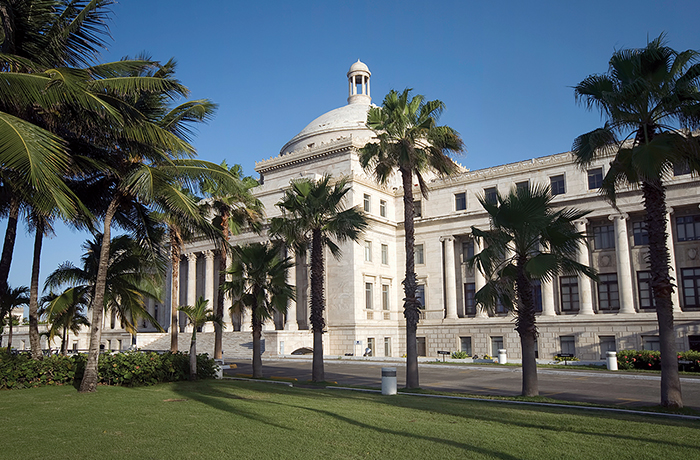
{"x": 358, "y": 66}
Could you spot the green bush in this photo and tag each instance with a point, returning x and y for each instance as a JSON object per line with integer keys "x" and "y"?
{"x": 460, "y": 355}
{"x": 130, "y": 368}
{"x": 561, "y": 359}
{"x": 646, "y": 359}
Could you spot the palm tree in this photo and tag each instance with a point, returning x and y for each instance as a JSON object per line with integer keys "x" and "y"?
{"x": 232, "y": 207}
{"x": 64, "y": 312}
{"x": 259, "y": 282}
{"x": 649, "y": 98}
{"x": 198, "y": 314}
{"x": 527, "y": 241}
{"x": 13, "y": 297}
{"x": 410, "y": 141}
{"x": 312, "y": 213}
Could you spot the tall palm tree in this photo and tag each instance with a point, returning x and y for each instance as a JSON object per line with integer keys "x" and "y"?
{"x": 312, "y": 212}
{"x": 64, "y": 312}
{"x": 198, "y": 314}
{"x": 410, "y": 141}
{"x": 259, "y": 282}
{"x": 13, "y": 297}
{"x": 527, "y": 241}
{"x": 649, "y": 99}
{"x": 232, "y": 207}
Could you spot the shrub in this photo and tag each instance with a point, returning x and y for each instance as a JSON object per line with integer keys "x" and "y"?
{"x": 561, "y": 359}
{"x": 647, "y": 359}
{"x": 460, "y": 355}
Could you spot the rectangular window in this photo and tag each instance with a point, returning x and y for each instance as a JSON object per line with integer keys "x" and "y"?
{"x": 691, "y": 287}
{"x": 490, "y": 195}
{"x": 651, "y": 343}
{"x": 368, "y": 296}
{"x": 465, "y": 345}
{"x": 608, "y": 295}
{"x": 370, "y": 347}
{"x": 385, "y": 254}
{"x": 387, "y": 346}
{"x": 496, "y": 344}
{"x": 469, "y": 300}
{"x": 537, "y": 295}
{"x": 368, "y": 251}
{"x": 607, "y": 343}
{"x": 681, "y": 169}
{"x": 500, "y": 308}
{"x": 595, "y": 178}
{"x": 604, "y": 236}
{"x": 569, "y": 293}
{"x": 421, "y": 349}
{"x": 688, "y": 228}
{"x": 568, "y": 345}
{"x": 417, "y": 209}
{"x": 367, "y": 203}
{"x": 646, "y": 296}
{"x": 460, "y": 201}
{"x": 522, "y": 186}
{"x": 693, "y": 342}
{"x": 639, "y": 230}
{"x": 420, "y": 295}
{"x": 558, "y": 185}
{"x": 385, "y": 296}
{"x": 467, "y": 250}
{"x": 418, "y": 254}
{"x": 382, "y": 208}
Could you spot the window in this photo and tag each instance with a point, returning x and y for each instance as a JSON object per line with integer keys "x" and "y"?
{"x": 460, "y": 201}
{"x": 522, "y": 186}
{"x": 651, "y": 343}
{"x": 646, "y": 296}
{"x": 385, "y": 254}
{"x": 420, "y": 295}
{"x": 607, "y": 343}
{"x": 370, "y": 347}
{"x": 694, "y": 342}
{"x": 382, "y": 208}
{"x": 691, "y": 287}
{"x": 595, "y": 178}
{"x": 368, "y": 251}
{"x": 368, "y": 203}
{"x": 385, "y": 296}
{"x": 421, "y": 349}
{"x": 639, "y": 230}
{"x": 469, "y": 300}
{"x": 688, "y": 228}
{"x": 387, "y": 346}
{"x": 496, "y": 344}
{"x": 500, "y": 308}
{"x": 608, "y": 295}
{"x": 490, "y": 195}
{"x": 368, "y": 296}
{"x": 558, "y": 185}
{"x": 467, "y": 250}
{"x": 418, "y": 254}
{"x": 681, "y": 169}
{"x": 604, "y": 236}
{"x": 417, "y": 209}
{"x": 537, "y": 295}
{"x": 568, "y": 345}
{"x": 569, "y": 293}
{"x": 465, "y": 345}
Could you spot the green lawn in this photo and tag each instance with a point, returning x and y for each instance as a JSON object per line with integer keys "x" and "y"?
{"x": 240, "y": 420}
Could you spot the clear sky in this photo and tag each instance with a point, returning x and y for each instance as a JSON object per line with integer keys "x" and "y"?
{"x": 504, "y": 70}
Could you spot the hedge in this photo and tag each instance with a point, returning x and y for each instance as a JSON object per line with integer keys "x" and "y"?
{"x": 646, "y": 359}
{"x": 129, "y": 368}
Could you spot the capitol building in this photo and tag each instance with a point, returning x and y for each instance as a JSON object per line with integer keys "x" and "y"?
{"x": 364, "y": 306}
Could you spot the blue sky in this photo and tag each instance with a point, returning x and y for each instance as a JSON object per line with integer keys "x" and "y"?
{"x": 504, "y": 70}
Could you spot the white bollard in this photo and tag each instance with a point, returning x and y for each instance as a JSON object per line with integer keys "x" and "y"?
{"x": 388, "y": 380}
{"x": 611, "y": 360}
{"x": 502, "y": 358}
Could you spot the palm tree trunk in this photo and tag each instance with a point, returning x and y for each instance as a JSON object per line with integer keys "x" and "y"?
{"x": 9, "y": 335}
{"x": 9, "y": 244}
{"x": 527, "y": 330}
{"x": 193, "y": 354}
{"x": 219, "y": 310}
{"x": 318, "y": 323}
{"x": 174, "y": 287}
{"x": 64, "y": 345}
{"x": 257, "y": 349}
{"x": 410, "y": 306}
{"x": 89, "y": 382}
{"x": 34, "y": 340}
{"x": 662, "y": 287}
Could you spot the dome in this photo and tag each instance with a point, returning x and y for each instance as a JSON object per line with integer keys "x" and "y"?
{"x": 359, "y": 66}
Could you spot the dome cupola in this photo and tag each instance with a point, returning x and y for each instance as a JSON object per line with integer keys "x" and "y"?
{"x": 358, "y": 83}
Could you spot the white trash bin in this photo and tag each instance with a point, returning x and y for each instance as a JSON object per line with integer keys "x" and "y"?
{"x": 502, "y": 358}
{"x": 388, "y": 380}
{"x": 611, "y": 360}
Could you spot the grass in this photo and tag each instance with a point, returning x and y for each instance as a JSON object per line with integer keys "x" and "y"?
{"x": 236, "y": 419}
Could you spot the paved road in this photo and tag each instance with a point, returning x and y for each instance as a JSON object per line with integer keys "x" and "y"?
{"x": 587, "y": 386}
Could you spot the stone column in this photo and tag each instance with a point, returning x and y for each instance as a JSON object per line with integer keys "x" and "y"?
{"x": 450, "y": 278}
{"x": 624, "y": 269}
{"x": 290, "y": 323}
{"x": 479, "y": 280}
{"x": 191, "y": 283}
{"x": 209, "y": 283}
{"x": 584, "y": 283}
{"x": 548, "y": 298}
{"x": 675, "y": 298}
{"x": 228, "y": 301}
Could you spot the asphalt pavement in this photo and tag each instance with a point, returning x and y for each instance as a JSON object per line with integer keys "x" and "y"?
{"x": 600, "y": 387}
